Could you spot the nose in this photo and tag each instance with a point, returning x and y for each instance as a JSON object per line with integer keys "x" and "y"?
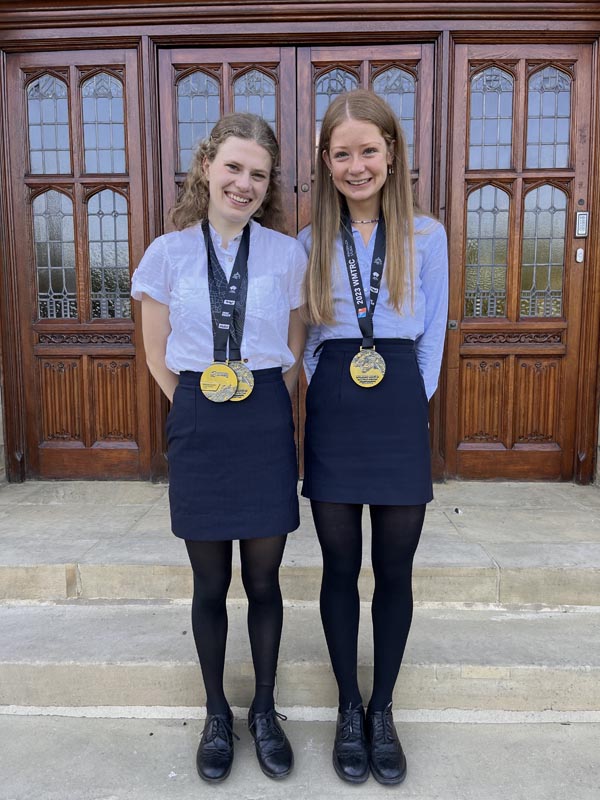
{"x": 357, "y": 165}
{"x": 242, "y": 181}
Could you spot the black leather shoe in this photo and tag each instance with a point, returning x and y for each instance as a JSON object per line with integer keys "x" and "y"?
{"x": 388, "y": 763}
{"x": 215, "y": 751}
{"x": 350, "y": 754}
{"x": 273, "y": 749}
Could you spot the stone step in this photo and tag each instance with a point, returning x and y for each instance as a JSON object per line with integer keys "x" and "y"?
{"x": 154, "y": 759}
{"x": 495, "y": 583}
{"x": 495, "y": 543}
{"x": 142, "y": 654}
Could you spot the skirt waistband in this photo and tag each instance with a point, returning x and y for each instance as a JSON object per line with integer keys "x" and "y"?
{"x": 354, "y": 344}
{"x": 189, "y": 378}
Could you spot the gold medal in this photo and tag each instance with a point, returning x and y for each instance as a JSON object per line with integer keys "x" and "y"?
{"x": 367, "y": 368}
{"x": 218, "y": 382}
{"x": 245, "y": 381}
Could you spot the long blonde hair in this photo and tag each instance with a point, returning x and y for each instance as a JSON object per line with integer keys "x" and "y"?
{"x": 192, "y": 205}
{"x": 396, "y": 204}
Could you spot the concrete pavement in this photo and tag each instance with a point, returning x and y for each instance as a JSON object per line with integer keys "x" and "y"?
{"x": 94, "y": 613}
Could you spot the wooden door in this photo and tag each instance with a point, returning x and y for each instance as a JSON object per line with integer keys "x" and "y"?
{"x": 291, "y": 89}
{"x": 520, "y": 157}
{"x": 79, "y": 224}
{"x": 198, "y": 85}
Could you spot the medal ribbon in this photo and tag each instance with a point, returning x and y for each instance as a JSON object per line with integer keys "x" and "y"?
{"x": 232, "y": 301}
{"x": 364, "y": 314}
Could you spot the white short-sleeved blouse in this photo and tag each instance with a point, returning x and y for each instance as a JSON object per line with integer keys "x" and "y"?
{"x": 174, "y": 271}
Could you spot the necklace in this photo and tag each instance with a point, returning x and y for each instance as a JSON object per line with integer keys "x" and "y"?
{"x": 364, "y": 221}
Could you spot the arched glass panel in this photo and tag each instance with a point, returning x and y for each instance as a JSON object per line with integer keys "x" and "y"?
{"x": 486, "y": 254}
{"x": 103, "y": 124}
{"x": 254, "y": 93}
{"x": 543, "y": 259}
{"x": 198, "y": 109}
{"x": 48, "y": 121}
{"x": 109, "y": 255}
{"x": 327, "y": 88}
{"x": 548, "y": 119}
{"x": 399, "y": 89}
{"x": 54, "y": 240}
{"x": 490, "y": 122}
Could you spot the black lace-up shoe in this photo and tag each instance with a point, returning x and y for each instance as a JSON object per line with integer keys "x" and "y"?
{"x": 388, "y": 763}
{"x": 215, "y": 751}
{"x": 350, "y": 754}
{"x": 273, "y": 749}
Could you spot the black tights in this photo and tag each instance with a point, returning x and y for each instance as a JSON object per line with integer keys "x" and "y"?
{"x": 395, "y": 536}
{"x": 211, "y": 563}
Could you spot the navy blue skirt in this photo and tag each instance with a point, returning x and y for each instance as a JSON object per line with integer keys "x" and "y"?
{"x": 367, "y": 445}
{"x": 232, "y": 466}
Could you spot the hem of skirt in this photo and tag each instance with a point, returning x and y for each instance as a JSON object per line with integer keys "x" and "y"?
{"x": 413, "y": 499}
{"x": 193, "y": 534}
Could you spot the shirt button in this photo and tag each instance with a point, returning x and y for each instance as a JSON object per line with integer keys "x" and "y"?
{"x": 245, "y": 361}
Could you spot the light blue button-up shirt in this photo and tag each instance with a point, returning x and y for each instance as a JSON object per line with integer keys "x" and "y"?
{"x": 425, "y": 323}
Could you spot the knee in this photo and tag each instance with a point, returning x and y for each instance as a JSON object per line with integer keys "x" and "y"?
{"x": 211, "y": 590}
{"x": 341, "y": 572}
{"x": 261, "y": 588}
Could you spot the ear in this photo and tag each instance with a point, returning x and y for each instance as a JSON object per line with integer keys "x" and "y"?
{"x": 326, "y": 159}
{"x": 391, "y": 152}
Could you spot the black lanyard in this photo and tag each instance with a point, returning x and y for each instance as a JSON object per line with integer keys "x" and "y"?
{"x": 230, "y": 302}
{"x": 364, "y": 314}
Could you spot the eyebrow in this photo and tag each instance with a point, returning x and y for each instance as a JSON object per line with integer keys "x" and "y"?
{"x": 364, "y": 144}
{"x": 252, "y": 169}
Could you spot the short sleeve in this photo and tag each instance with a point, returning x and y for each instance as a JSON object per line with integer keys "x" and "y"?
{"x": 305, "y": 239}
{"x": 297, "y": 271}
{"x": 153, "y": 275}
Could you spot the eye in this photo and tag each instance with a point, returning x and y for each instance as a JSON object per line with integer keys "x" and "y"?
{"x": 340, "y": 154}
{"x": 259, "y": 176}
{"x": 369, "y": 151}
{"x": 232, "y": 167}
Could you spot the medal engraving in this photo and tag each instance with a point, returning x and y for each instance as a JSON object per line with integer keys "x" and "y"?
{"x": 367, "y": 368}
{"x": 218, "y": 383}
{"x": 245, "y": 381}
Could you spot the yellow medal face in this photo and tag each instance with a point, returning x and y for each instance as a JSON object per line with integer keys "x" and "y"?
{"x": 245, "y": 380}
{"x": 218, "y": 383}
{"x": 367, "y": 368}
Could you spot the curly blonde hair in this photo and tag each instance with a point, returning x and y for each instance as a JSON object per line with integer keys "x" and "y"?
{"x": 192, "y": 206}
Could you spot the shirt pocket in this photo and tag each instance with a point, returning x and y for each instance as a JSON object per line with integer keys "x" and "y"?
{"x": 267, "y": 298}
{"x": 190, "y": 300}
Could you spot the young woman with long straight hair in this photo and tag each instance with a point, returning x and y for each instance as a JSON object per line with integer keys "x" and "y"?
{"x": 221, "y": 322}
{"x": 376, "y": 290}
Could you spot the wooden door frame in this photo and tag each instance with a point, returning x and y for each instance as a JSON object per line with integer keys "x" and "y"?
{"x": 147, "y": 26}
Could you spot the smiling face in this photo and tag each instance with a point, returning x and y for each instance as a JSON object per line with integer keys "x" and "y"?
{"x": 238, "y": 180}
{"x": 358, "y": 158}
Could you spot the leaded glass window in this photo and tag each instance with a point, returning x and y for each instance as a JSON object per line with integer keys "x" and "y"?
{"x": 543, "y": 257}
{"x": 103, "y": 124}
{"x": 48, "y": 121}
{"x": 398, "y": 88}
{"x": 109, "y": 255}
{"x": 329, "y": 86}
{"x": 254, "y": 93}
{"x": 548, "y": 119}
{"x": 54, "y": 241}
{"x": 198, "y": 109}
{"x": 486, "y": 255}
{"x": 490, "y": 122}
